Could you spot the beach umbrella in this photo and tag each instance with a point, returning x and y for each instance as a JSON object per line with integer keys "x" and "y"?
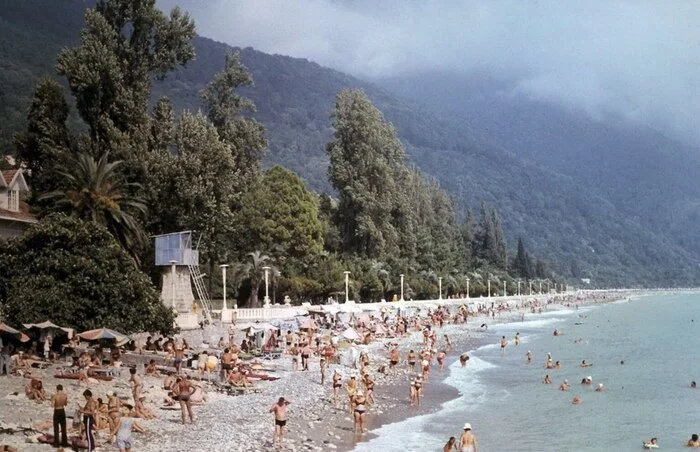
{"x": 7, "y": 331}
{"x": 49, "y": 326}
{"x": 103, "y": 333}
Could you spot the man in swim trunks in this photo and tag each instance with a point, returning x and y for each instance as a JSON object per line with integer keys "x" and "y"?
{"x": 279, "y": 410}
{"x": 467, "y": 442}
{"x": 394, "y": 357}
{"x": 412, "y": 360}
{"x": 226, "y": 363}
{"x": 504, "y": 343}
{"x": 322, "y": 365}
{"x": 179, "y": 357}
{"x": 182, "y": 391}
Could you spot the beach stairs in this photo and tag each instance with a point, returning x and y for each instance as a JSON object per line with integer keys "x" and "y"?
{"x": 202, "y": 293}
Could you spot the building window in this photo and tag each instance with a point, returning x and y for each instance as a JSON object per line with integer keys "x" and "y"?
{"x": 13, "y": 200}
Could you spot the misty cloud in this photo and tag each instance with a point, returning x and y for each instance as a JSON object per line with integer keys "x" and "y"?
{"x": 639, "y": 60}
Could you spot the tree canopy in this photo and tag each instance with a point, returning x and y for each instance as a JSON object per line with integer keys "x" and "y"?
{"x": 74, "y": 273}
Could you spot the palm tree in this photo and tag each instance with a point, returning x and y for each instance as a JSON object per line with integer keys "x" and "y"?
{"x": 254, "y": 269}
{"x": 96, "y": 191}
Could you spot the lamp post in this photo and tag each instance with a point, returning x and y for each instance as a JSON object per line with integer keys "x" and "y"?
{"x": 519, "y": 287}
{"x": 530, "y": 287}
{"x": 440, "y": 288}
{"x": 172, "y": 283}
{"x": 467, "y": 287}
{"x": 347, "y": 283}
{"x": 489, "y": 287}
{"x": 223, "y": 280}
{"x": 505, "y": 293}
{"x": 267, "y": 285}
{"x": 540, "y": 292}
{"x": 401, "y": 275}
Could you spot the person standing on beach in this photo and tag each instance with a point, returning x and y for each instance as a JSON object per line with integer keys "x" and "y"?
{"x": 136, "y": 384}
{"x": 89, "y": 412}
{"x": 179, "y": 357}
{"x": 183, "y": 390}
{"x": 467, "y": 442}
{"x": 322, "y": 365}
{"x": 59, "y": 402}
{"x": 279, "y": 411}
{"x": 351, "y": 389}
{"x": 337, "y": 384}
{"x": 394, "y": 357}
{"x": 305, "y": 354}
{"x": 529, "y": 357}
{"x": 358, "y": 406}
{"x": 412, "y": 360}
{"x": 517, "y": 339}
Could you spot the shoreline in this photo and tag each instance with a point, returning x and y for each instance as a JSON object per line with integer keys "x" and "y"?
{"x": 242, "y": 423}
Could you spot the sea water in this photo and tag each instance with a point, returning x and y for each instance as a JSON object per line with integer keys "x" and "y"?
{"x": 657, "y": 337}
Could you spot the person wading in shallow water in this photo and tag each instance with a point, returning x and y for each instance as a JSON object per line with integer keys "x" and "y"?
{"x": 467, "y": 442}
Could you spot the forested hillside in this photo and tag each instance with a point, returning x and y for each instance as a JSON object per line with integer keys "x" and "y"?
{"x": 583, "y": 232}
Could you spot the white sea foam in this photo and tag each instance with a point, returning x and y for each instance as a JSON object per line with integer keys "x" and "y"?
{"x": 419, "y": 433}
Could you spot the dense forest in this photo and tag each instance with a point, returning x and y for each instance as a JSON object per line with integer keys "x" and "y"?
{"x": 573, "y": 227}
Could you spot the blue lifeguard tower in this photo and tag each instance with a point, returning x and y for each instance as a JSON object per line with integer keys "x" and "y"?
{"x": 180, "y": 261}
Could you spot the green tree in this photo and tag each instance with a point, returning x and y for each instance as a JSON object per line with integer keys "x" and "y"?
{"x": 466, "y": 235}
{"x": 95, "y": 190}
{"x": 255, "y": 262}
{"x": 225, "y": 108}
{"x": 520, "y": 264}
{"x": 74, "y": 273}
{"x": 367, "y": 168}
{"x": 124, "y": 45}
{"x": 282, "y": 215}
{"x": 46, "y": 142}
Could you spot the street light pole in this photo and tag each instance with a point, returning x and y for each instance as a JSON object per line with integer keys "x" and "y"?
{"x": 540, "y": 287}
{"x": 467, "y": 287}
{"x": 489, "y": 287}
{"x": 530, "y": 287}
{"x": 223, "y": 279}
{"x": 347, "y": 283}
{"x": 505, "y": 293}
{"x": 401, "y": 275}
{"x": 440, "y": 288}
{"x": 267, "y": 285}
{"x": 519, "y": 287}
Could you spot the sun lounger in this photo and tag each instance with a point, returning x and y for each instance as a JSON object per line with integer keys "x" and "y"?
{"x": 272, "y": 354}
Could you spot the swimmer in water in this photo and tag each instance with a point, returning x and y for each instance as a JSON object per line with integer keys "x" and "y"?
{"x": 564, "y": 386}
{"x": 504, "y": 343}
{"x": 600, "y": 388}
{"x": 463, "y": 358}
{"x": 547, "y": 380}
{"x": 577, "y": 400}
{"x": 693, "y": 384}
{"x": 529, "y": 356}
{"x": 517, "y": 339}
{"x": 585, "y": 364}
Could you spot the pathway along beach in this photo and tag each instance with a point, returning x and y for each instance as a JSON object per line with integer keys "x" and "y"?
{"x": 244, "y": 422}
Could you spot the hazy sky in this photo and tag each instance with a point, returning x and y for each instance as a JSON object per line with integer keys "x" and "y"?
{"x": 639, "y": 59}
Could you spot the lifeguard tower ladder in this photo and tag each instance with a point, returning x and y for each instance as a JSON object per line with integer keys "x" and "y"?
{"x": 176, "y": 252}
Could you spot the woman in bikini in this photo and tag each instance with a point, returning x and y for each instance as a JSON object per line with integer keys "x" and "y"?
{"x": 412, "y": 360}
{"x": 351, "y": 388}
{"x": 358, "y": 403}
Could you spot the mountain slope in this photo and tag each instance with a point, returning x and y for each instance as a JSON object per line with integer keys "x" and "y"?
{"x": 578, "y": 229}
{"x": 646, "y": 175}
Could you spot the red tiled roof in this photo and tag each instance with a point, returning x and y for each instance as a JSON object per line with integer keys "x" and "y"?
{"x": 23, "y": 214}
{"x": 8, "y": 175}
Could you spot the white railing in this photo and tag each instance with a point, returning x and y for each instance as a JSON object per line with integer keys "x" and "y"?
{"x": 265, "y": 313}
